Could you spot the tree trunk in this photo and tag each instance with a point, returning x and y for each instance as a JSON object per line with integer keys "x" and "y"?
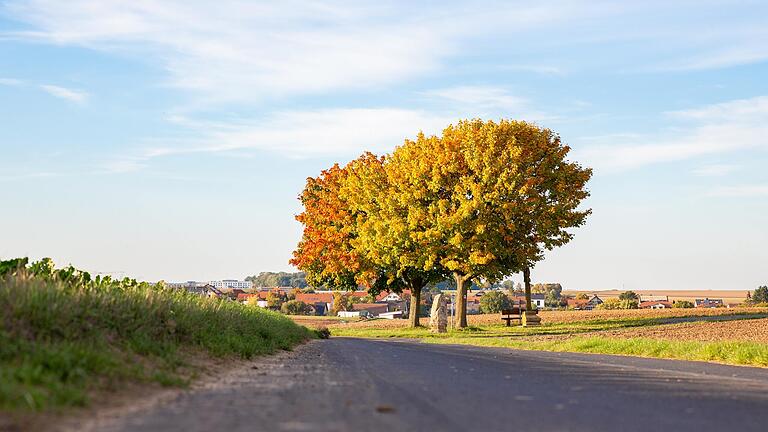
{"x": 415, "y": 305}
{"x": 527, "y": 280}
{"x": 461, "y": 299}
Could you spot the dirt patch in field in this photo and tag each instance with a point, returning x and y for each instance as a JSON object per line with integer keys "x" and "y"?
{"x": 753, "y": 330}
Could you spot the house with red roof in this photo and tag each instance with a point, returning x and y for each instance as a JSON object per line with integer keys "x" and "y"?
{"x": 655, "y": 304}
{"x": 373, "y": 309}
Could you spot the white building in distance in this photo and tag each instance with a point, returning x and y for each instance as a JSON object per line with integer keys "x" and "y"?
{"x": 231, "y": 283}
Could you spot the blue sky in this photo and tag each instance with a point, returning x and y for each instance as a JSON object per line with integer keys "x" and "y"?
{"x": 170, "y": 139}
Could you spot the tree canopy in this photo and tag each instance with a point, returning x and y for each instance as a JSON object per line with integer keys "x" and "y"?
{"x": 279, "y": 279}
{"x": 480, "y": 202}
{"x": 760, "y": 295}
{"x": 494, "y": 302}
{"x": 629, "y": 295}
{"x": 324, "y": 252}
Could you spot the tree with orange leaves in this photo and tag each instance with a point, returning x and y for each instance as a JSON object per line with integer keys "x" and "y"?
{"x": 324, "y": 251}
{"x": 480, "y": 202}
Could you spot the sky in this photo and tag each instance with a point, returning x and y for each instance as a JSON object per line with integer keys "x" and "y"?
{"x": 170, "y": 139}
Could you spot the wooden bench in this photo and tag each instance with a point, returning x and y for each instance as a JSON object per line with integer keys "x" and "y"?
{"x": 516, "y": 313}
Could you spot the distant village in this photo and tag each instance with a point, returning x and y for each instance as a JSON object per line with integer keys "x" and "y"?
{"x": 391, "y": 305}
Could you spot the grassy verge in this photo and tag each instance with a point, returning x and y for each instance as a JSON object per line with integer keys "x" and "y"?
{"x": 60, "y": 339}
{"x": 499, "y": 330}
{"x": 582, "y": 337}
{"x": 732, "y": 352}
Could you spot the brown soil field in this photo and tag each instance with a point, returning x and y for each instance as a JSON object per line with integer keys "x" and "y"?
{"x": 316, "y": 321}
{"x": 577, "y": 316}
{"x": 753, "y": 330}
{"x": 546, "y": 317}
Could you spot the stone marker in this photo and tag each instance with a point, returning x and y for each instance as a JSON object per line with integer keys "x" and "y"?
{"x": 438, "y": 317}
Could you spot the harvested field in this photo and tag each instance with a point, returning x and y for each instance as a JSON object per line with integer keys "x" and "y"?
{"x": 752, "y": 330}
{"x": 547, "y": 317}
{"x": 578, "y": 316}
{"x": 316, "y": 321}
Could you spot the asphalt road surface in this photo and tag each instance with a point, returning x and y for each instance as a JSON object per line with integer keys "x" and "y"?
{"x": 346, "y": 384}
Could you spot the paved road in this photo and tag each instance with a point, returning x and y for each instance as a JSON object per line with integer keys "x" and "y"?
{"x": 368, "y": 385}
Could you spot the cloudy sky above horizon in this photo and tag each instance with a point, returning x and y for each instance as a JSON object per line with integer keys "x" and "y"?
{"x": 169, "y": 140}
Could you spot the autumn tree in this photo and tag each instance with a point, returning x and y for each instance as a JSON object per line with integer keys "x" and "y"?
{"x": 341, "y": 302}
{"x": 480, "y": 202}
{"x": 547, "y": 191}
{"x": 324, "y": 251}
{"x": 385, "y": 219}
{"x": 274, "y": 300}
{"x": 488, "y": 198}
{"x": 434, "y": 177}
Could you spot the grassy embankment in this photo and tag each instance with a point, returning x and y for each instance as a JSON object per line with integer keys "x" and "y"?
{"x": 63, "y": 337}
{"x": 605, "y": 336}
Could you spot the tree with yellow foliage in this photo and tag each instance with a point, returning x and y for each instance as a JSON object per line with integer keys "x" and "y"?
{"x": 487, "y": 198}
{"x": 480, "y": 202}
{"x": 384, "y": 224}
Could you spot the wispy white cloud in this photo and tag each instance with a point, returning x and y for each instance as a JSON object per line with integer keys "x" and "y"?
{"x": 235, "y": 51}
{"x": 244, "y": 53}
{"x": 479, "y": 98}
{"x": 484, "y": 101}
{"x": 714, "y": 170}
{"x": 11, "y": 82}
{"x": 713, "y": 129}
{"x": 338, "y": 131}
{"x": 756, "y": 190}
{"x": 71, "y": 95}
{"x": 232, "y": 50}
{"x": 726, "y": 47}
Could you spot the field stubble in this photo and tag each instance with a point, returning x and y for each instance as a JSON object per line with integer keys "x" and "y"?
{"x": 548, "y": 318}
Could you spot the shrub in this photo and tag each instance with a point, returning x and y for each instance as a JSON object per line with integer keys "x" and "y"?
{"x": 294, "y": 307}
{"x": 682, "y": 304}
{"x": 493, "y": 302}
{"x": 615, "y": 303}
{"x": 629, "y": 295}
{"x": 760, "y": 295}
{"x": 274, "y": 300}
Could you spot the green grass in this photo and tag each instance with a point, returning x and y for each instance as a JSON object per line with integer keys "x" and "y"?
{"x": 731, "y": 352}
{"x": 59, "y": 341}
{"x": 499, "y": 330}
{"x": 582, "y": 340}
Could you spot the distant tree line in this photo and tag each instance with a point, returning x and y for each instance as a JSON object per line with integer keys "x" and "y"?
{"x": 279, "y": 279}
